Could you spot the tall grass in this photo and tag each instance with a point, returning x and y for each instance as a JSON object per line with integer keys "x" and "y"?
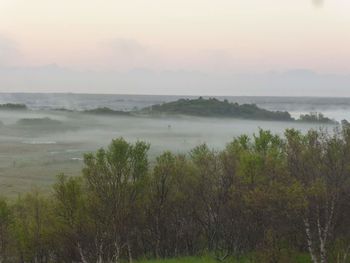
{"x": 302, "y": 258}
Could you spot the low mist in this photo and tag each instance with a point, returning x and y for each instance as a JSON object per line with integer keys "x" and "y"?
{"x": 41, "y": 144}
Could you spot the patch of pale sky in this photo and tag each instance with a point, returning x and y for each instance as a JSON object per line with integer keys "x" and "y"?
{"x": 204, "y": 35}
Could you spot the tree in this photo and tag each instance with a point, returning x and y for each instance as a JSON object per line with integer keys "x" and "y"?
{"x": 320, "y": 163}
{"x": 5, "y": 221}
{"x": 73, "y": 220}
{"x": 115, "y": 178}
{"x": 33, "y": 229}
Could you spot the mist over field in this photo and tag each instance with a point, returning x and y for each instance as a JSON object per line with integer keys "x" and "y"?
{"x": 174, "y": 131}
{"x": 52, "y": 135}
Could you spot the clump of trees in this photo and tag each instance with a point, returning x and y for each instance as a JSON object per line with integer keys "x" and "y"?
{"x": 265, "y": 197}
{"x": 315, "y": 117}
{"x": 213, "y": 107}
{"x": 13, "y": 106}
{"x": 106, "y": 111}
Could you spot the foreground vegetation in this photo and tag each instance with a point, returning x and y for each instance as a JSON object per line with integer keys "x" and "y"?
{"x": 197, "y": 259}
{"x": 302, "y": 258}
{"x": 261, "y": 199}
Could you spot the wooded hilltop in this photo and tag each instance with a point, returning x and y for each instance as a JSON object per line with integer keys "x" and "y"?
{"x": 213, "y": 107}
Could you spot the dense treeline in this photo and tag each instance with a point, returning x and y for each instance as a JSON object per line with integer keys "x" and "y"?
{"x": 267, "y": 197}
{"x": 13, "y": 106}
{"x": 315, "y": 117}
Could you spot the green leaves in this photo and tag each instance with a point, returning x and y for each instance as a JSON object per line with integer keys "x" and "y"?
{"x": 265, "y": 196}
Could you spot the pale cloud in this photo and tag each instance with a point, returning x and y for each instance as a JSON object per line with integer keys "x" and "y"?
{"x": 318, "y": 3}
{"x": 130, "y": 48}
{"x": 127, "y": 53}
{"x": 204, "y": 35}
{"x": 9, "y": 53}
{"x": 166, "y": 34}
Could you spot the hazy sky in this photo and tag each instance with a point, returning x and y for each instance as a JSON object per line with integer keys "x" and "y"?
{"x": 221, "y": 36}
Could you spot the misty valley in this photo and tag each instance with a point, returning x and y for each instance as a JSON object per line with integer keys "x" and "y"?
{"x": 37, "y": 144}
{"x": 174, "y": 131}
{"x": 189, "y": 179}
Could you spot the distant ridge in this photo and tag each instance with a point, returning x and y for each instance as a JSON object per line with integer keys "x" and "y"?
{"x": 13, "y": 106}
{"x": 213, "y": 107}
{"x": 106, "y": 111}
{"x": 201, "y": 107}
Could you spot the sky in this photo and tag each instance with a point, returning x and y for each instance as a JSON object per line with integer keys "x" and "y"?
{"x": 72, "y": 38}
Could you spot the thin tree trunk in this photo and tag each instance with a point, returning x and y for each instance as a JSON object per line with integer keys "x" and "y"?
{"x": 100, "y": 252}
{"x": 346, "y": 254}
{"x": 82, "y": 257}
{"x": 157, "y": 238}
{"x": 324, "y": 232}
{"x": 117, "y": 252}
{"x": 322, "y": 236}
{"x": 309, "y": 241}
{"x": 129, "y": 250}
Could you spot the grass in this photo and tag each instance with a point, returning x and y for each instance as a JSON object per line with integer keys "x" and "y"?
{"x": 303, "y": 258}
{"x": 183, "y": 260}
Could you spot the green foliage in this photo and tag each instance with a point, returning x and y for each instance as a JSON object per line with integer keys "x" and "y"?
{"x": 106, "y": 111}
{"x": 315, "y": 117}
{"x": 215, "y": 108}
{"x": 114, "y": 183}
{"x": 204, "y": 259}
{"x": 32, "y": 227}
{"x": 5, "y": 221}
{"x": 13, "y": 106}
{"x": 299, "y": 258}
{"x": 263, "y": 199}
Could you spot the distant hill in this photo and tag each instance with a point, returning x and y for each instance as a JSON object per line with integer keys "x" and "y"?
{"x": 202, "y": 107}
{"x": 13, "y": 106}
{"x": 38, "y": 122}
{"x": 106, "y": 111}
{"x": 215, "y": 108}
